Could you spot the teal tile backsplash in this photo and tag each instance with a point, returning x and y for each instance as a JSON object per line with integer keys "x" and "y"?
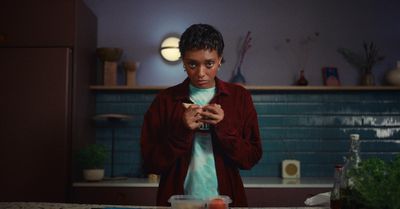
{"x": 310, "y": 126}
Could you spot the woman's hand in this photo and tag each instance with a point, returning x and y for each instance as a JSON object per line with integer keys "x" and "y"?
{"x": 212, "y": 114}
{"x": 192, "y": 116}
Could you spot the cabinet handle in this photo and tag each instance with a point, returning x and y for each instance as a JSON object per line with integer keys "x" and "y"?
{"x": 121, "y": 197}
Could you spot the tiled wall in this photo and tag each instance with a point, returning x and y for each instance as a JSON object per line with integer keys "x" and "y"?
{"x": 310, "y": 126}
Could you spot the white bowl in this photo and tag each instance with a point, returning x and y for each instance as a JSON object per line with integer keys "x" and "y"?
{"x": 93, "y": 174}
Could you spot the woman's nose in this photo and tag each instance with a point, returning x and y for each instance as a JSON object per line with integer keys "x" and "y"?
{"x": 201, "y": 71}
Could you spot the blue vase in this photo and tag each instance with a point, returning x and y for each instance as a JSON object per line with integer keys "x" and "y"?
{"x": 238, "y": 77}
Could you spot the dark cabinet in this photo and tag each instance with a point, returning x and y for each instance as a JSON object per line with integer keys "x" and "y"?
{"x": 47, "y": 63}
{"x": 33, "y": 23}
{"x": 281, "y": 197}
{"x": 36, "y": 122}
{"x": 144, "y": 196}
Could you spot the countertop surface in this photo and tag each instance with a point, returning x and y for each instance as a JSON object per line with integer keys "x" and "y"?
{"x": 45, "y": 205}
{"x": 249, "y": 182}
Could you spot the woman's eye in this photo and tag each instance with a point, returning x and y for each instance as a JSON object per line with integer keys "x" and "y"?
{"x": 192, "y": 65}
{"x": 210, "y": 64}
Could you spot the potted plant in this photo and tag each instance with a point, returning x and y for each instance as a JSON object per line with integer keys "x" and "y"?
{"x": 376, "y": 184}
{"x": 92, "y": 159}
{"x": 364, "y": 62}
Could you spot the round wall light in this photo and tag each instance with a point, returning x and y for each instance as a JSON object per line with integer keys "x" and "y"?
{"x": 170, "y": 49}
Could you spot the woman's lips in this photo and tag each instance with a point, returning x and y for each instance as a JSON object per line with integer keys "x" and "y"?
{"x": 202, "y": 81}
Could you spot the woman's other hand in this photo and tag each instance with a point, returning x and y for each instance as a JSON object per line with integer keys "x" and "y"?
{"x": 212, "y": 114}
{"x": 192, "y": 116}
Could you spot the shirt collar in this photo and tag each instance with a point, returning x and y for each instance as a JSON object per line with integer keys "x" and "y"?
{"x": 182, "y": 91}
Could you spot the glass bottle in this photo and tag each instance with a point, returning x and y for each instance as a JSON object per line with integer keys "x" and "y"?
{"x": 352, "y": 162}
{"x": 336, "y": 200}
{"x": 353, "y": 159}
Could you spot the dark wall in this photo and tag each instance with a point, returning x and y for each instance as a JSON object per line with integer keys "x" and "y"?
{"x": 138, "y": 26}
{"x": 311, "y": 126}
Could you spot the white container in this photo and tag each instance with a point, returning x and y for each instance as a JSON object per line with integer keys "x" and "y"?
{"x": 186, "y": 202}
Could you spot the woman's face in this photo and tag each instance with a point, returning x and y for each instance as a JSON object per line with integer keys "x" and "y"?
{"x": 201, "y": 67}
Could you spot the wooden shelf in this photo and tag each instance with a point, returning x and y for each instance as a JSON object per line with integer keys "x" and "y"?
{"x": 260, "y": 88}
{"x": 125, "y": 88}
{"x": 325, "y": 88}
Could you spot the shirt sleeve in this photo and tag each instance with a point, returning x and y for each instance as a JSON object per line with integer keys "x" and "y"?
{"x": 164, "y": 138}
{"x": 242, "y": 147}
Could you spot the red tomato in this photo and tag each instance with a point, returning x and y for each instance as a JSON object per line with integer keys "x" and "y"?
{"x": 217, "y": 203}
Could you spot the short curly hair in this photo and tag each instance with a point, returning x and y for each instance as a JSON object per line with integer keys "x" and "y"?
{"x": 201, "y": 36}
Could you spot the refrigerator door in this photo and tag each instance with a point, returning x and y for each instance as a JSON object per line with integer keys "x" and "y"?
{"x": 35, "y": 122}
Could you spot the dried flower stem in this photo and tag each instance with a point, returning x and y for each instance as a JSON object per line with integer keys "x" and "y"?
{"x": 245, "y": 47}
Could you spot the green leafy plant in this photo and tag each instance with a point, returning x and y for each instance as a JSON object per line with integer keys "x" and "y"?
{"x": 364, "y": 62}
{"x": 92, "y": 156}
{"x": 377, "y": 183}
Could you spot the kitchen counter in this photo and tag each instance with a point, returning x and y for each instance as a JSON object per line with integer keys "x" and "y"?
{"x": 260, "y": 191}
{"x": 249, "y": 182}
{"x": 44, "y": 205}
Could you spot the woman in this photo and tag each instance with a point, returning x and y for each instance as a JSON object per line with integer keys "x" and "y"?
{"x": 199, "y": 133}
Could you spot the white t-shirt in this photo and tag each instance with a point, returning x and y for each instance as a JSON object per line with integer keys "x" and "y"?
{"x": 201, "y": 178}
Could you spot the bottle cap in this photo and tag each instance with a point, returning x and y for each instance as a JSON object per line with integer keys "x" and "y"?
{"x": 355, "y": 136}
{"x": 339, "y": 167}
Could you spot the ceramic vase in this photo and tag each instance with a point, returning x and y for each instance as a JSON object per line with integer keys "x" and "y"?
{"x": 238, "y": 78}
{"x": 130, "y": 68}
{"x": 110, "y": 73}
{"x": 367, "y": 79}
{"x": 302, "y": 81}
{"x": 393, "y": 76}
{"x": 109, "y": 57}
